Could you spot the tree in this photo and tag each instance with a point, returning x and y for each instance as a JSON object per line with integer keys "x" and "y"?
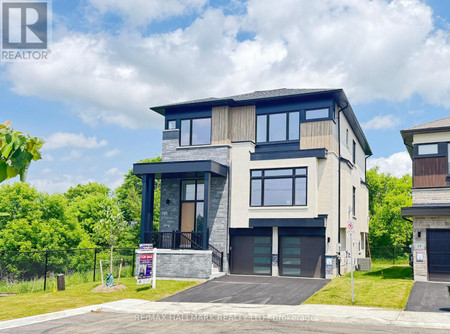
{"x": 129, "y": 196}
{"x": 37, "y": 221}
{"x": 387, "y": 195}
{"x": 110, "y": 228}
{"x": 16, "y": 152}
{"x": 86, "y": 205}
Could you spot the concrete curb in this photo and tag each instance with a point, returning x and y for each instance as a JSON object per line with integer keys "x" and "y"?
{"x": 251, "y": 312}
{"x": 317, "y": 313}
{"x": 119, "y": 305}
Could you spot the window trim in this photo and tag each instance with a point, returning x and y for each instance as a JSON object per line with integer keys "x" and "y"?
{"x": 190, "y": 131}
{"x": 267, "y": 117}
{"x": 195, "y": 201}
{"x": 317, "y": 119}
{"x": 293, "y": 176}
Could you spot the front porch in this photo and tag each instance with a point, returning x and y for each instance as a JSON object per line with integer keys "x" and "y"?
{"x": 186, "y": 199}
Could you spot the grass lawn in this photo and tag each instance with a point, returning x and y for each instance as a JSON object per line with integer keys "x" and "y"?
{"x": 33, "y": 303}
{"x": 385, "y": 286}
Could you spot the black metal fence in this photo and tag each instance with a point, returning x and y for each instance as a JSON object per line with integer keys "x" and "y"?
{"x": 176, "y": 240}
{"x": 25, "y": 271}
{"x": 390, "y": 254}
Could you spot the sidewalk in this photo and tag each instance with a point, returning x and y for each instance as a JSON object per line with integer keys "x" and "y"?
{"x": 146, "y": 311}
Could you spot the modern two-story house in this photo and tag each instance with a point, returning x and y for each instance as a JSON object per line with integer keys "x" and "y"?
{"x": 263, "y": 183}
{"x": 429, "y": 147}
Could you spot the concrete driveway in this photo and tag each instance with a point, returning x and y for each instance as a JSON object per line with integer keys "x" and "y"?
{"x": 429, "y": 297}
{"x": 251, "y": 290}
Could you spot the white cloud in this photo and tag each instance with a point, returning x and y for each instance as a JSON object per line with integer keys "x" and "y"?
{"x": 65, "y": 139}
{"x": 58, "y": 183}
{"x": 72, "y": 156}
{"x": 398, "y": 164}
{"x": 111, "y": 153}
{"x": 380, "y": 122}
{"x": 142, "y": 12}
{"x": 114, "y": 171}
{"x": 373, "y": 49}
{"x": 114, "y": 178}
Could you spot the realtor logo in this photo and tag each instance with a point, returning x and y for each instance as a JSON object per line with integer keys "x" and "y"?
{"x": 25, "y": 30}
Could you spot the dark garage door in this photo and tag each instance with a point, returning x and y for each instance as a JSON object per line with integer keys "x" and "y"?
{"x": 251, "y": 255}
{"x": 302, "y": 256}
{"x": 438, "y": 250}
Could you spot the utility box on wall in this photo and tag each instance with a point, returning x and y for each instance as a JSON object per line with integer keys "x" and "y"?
{"x": 364, "y": 264}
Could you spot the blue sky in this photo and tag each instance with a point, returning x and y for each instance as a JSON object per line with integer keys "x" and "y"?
{"x": 113, "y": 59}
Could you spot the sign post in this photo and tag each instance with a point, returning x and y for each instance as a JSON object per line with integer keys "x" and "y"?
{"x": 146, "y": 265}
{"x": 350, "y": 228}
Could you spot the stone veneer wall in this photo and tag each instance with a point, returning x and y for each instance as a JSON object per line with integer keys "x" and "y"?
{"x": 422, "y": 224}
{"x": 431, "y": 196}
{"x": 170, "y": 189}
{"x": 183, "y": 263}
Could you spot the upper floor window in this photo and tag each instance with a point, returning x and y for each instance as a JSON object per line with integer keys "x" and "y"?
{"x": 317, "y": 113}
{"x": 354, "y": 152}
{"x": 195, "y": 132}
{"x": 171, "y": 125}
{"x": 278, "y": 127}
{"x": 279, "y": 187}
{"x": 426, "y": 149}
{"x": 354, "y": 202}
{"x": 346, "y": 137}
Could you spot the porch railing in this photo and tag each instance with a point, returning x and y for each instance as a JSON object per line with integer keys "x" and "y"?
{"x": 217, "y": 257}
{"x": 176, "y": 240}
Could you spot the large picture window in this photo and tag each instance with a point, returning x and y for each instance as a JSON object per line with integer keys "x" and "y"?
{"x": 279, "y": 187}
{"x": 278, "y": 127}
{"x": 195, "y": 132}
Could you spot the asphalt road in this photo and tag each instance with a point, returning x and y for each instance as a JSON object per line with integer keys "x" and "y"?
{"x": 130, "y": 323}
{"x": 251, "y": 290}
{"x": 429, "y": 297}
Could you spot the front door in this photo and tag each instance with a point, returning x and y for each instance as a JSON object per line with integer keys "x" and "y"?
{"x": 191, "y": 215}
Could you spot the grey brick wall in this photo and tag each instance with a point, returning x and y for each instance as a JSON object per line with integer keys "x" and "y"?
{"x": 170, "y": 189}
{"x": 172, "y": 152}
{"x": 169, "y": 214}
{"x": 183, "y": 264}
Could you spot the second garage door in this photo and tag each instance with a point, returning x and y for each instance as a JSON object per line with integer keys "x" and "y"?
{"x": 302, "y": 256}
{"x": 438, "y": 249}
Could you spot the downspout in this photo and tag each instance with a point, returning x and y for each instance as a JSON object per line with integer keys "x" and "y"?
{"x": 339, "y": 186}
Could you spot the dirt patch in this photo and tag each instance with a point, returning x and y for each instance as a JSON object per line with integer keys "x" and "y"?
{"x": 102, "y": 288}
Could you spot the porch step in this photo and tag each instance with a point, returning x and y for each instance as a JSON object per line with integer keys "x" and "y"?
{"x": 215, "y": 272}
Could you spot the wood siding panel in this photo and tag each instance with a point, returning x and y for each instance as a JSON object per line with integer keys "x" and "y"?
{"x": 242, "y": 123}
{"x": 219, "y": 123}
{"x": 318, "y": 135}
{"x": 430, "y": 172}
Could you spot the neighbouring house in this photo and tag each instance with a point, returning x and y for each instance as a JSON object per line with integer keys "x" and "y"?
{"x": 429, "y": 147}
{"x": 263, "y": 183}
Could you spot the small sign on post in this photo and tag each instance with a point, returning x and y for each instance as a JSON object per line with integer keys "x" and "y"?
{"x": 146, "y": 265}
{"x": 350, "y": 229}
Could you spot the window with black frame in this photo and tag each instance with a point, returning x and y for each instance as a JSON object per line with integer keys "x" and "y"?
{"x": 279, "y": 187}
{"x": 195, "y": 132}
{"x": 278, "y": 127}
{"x": 192, "y": 203}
